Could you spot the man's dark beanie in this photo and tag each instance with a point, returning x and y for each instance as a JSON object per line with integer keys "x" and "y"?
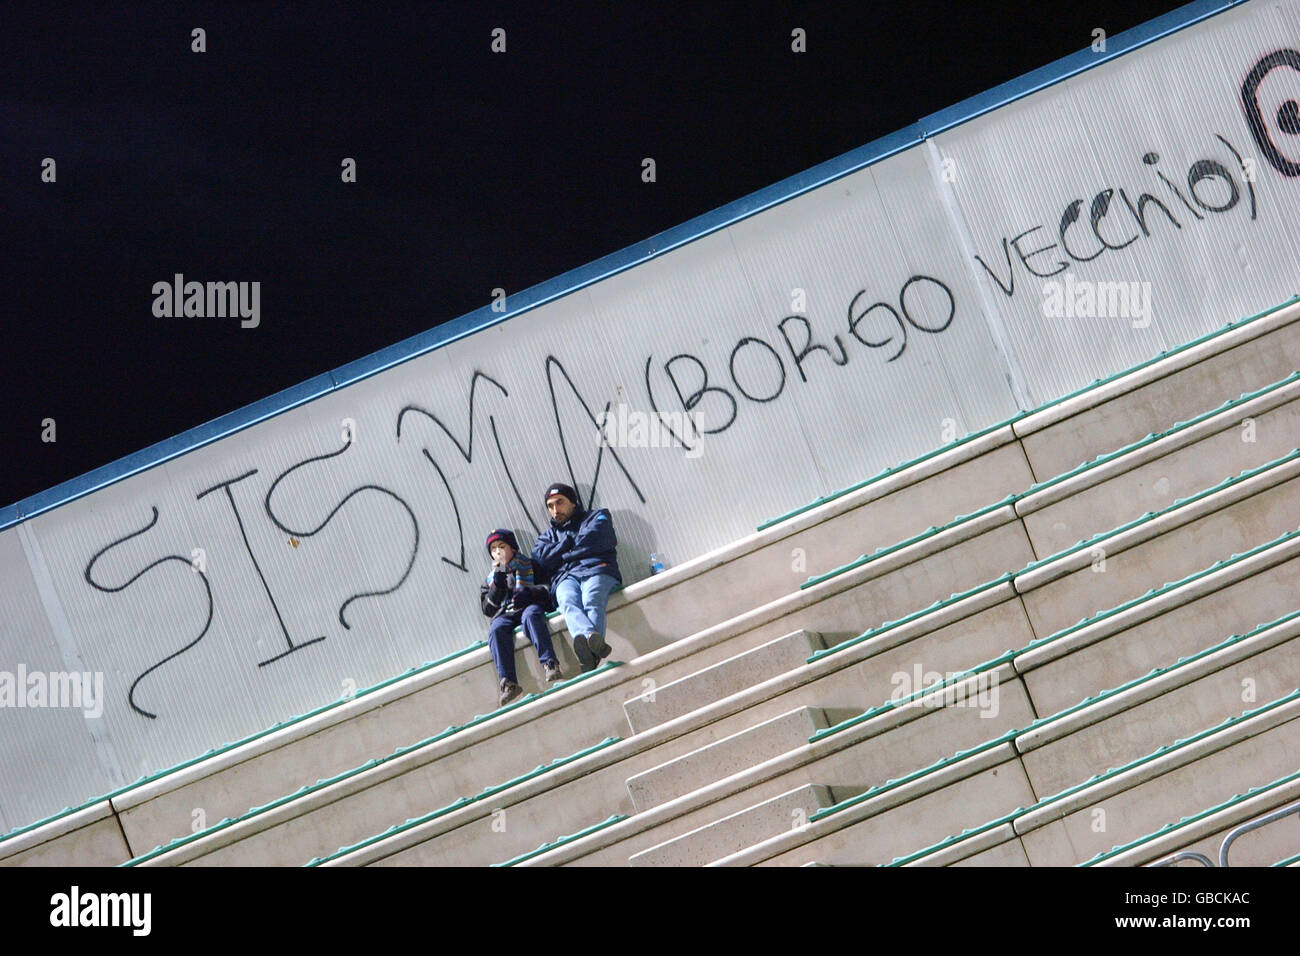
{"x": 502, "y": 534}
{"x": 559, "y": 488}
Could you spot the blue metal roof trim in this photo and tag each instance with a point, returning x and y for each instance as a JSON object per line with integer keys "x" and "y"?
{"x": 615, "y": 262}
{"x": 1072, "y": 65}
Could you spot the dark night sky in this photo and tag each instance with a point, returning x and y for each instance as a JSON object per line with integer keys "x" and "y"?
{"x": 475, "y": 170}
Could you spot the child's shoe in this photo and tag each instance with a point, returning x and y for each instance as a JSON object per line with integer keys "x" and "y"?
{"x": 509, "y": 691}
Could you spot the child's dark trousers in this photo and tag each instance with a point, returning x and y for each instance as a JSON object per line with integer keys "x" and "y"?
{"x": 501, "y": 638}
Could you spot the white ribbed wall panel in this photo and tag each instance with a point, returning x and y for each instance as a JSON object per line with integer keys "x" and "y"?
{"x": 1022, "y": 165}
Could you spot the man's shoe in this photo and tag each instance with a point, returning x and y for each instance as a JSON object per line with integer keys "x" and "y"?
{"x": 599, "y": 649}
{"x": 585, "y": 658}
{"x": 553, "y": 673}
{"x": 509, "y": 691}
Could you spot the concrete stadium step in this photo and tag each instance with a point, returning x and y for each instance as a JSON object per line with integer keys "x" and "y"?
{"x": 339, "y": 735}
{"x": 1231, "y": 517}
{"x": 401, "y": 782}
{"x": 1132, "y": 800}
{"x": 1128, "y": 722}
{"x": 1148, "y": 475}
{"x": 978, "y": 620}
{"x": 725, "y": 757}
{"x": 841, "y": 686}
{"x": 1224, "y": 593}
{"x": 1174, "y": 386}
{"x": 993, "y": 844}
{"x": 1174, "y": 621}
{"x": 1205, "y": 833}
{"x": 656, "y": 705}
{"x": 893, "y": 507}
{"x": 1168, "y": 704}
{"x": 877, "y": 666}
{"x": 876, "y": 825}
{"x": 846, "y": 757}
{"x": 559, "y": 842}
{"x": 1190, "y": 841}
{"x": 886, "y": 743}
{"x": 192, "y": 849}
{"x": 1055, "y": 831}
{"x": 1267, "y": 481}
{"x": 1208, "y": 575}
{"x": 740, "y": 829}
{"x": 89, "y": 836}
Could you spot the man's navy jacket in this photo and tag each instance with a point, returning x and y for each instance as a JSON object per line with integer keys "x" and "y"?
{"x": 581, "y": 547}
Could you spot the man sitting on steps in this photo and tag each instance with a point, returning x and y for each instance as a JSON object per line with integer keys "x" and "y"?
{"x": 577, "y": 552}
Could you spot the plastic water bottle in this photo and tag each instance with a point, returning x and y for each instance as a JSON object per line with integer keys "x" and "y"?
{"x": 656, "y": 564}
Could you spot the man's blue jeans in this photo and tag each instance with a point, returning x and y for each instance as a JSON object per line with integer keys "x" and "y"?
{"x": 583, "y": 603}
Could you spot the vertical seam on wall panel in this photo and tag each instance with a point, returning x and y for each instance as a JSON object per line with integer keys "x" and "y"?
{"x": 1020, "y": 443}
{"x": 992, "y": 317}
{"x": 1029, "y": 623}
{"x": 62, "y": 630}
{"x": 131, "y": 853}
{"x": 1020, "y": 757}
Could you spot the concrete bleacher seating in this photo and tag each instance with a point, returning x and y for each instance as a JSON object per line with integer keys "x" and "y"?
{"x": 1214, "y": 834}
{"x": 1054, "y": 831}
{"x": 1057, "y": 615}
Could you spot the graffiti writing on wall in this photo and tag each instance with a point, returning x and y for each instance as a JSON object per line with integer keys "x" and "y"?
{"x": 761, "y": 368}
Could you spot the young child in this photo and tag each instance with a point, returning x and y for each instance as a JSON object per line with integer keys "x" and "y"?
{"x": 509, "y": 597}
